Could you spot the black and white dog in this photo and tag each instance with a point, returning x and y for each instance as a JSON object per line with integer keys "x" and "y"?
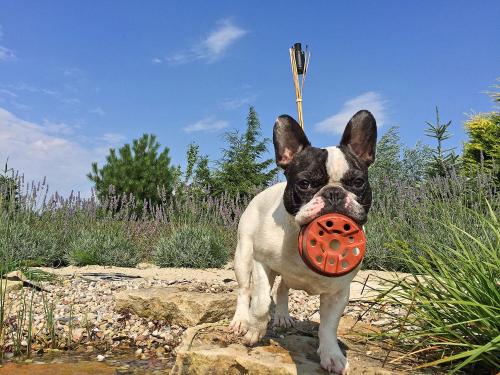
{"x": 318, "y": 181}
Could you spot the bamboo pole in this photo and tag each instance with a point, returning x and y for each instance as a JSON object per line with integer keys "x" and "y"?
{"x": 299, "y": 85}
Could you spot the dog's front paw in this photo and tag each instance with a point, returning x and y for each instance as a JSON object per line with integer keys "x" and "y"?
{"x": 239, "y": 325}
{"x": 254, "y": 335}
{"x": 333, "y": 361}
{"x": 283, "y": 320}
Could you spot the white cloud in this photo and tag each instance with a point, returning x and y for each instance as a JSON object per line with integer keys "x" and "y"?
{"x": 156, "y": 60}
{"x": 40, "y": 151}
{"x": 24, "y": 87}
{"x": 370, "y": 101}
{"x": 72, "y": 72}
{"x": 212, "y": 47}
{"x": 113, "y": 138}
{"x": 208, "y": 124}
{"x": 5, "y": 92}
{"x": 98, "y": 111}
{"x": 6, "y": 54}
{"x": 58, "y": 127}
{"x": 70, "y": 101}
{"x": 232, "y": 104}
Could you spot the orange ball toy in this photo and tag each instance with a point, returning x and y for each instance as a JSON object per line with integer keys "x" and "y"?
{"x": 332, "y": 245}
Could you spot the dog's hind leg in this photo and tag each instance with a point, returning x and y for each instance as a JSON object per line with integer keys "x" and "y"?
{"x": 243, "y": 264}
{"x": 281, "y": 316}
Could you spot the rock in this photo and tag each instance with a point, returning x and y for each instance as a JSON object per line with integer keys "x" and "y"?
{"x": 18, "y": 276}
{"x": 175, "y": 306}
{"x": 100, "y": 358}
{"x": 11, "y": 285}
{"x": 211, "y": 349}
{"x": 77, "y": 334}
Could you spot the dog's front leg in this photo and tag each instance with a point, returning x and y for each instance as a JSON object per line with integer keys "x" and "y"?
{"x": 260, "y": 302}
{"x": 332, "y": 307}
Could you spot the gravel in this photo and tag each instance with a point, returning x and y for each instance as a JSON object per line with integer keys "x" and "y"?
{"x": 86, "y": 320}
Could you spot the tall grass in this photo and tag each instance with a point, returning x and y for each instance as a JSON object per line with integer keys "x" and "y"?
{"x": 450, "y": 305}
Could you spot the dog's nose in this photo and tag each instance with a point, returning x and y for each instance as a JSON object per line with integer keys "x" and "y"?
{"x": 335, "y": 195}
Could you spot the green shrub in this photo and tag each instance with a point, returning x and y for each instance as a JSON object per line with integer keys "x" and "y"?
{"x": 25, "y": 243}
{"x": 193, "y": 246}
{"x": 482, "y": 150}
{"x": 450, "y": 304}
{"x": 103, "y": 244}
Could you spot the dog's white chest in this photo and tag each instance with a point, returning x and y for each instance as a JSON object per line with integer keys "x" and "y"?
{"x": 275, "y": 244}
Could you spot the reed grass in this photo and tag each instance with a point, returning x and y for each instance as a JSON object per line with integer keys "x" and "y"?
{"x": 451, "y": 301}
{"x": 50, "y": 322}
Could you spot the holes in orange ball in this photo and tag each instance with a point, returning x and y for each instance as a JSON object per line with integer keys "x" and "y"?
{"x": 334, "y": 244}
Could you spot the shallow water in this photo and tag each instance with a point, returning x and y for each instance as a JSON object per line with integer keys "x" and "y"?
{"x": 69, "y": 363}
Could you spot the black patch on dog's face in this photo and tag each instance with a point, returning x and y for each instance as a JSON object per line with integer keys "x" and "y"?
{"x": 305, "y": 176}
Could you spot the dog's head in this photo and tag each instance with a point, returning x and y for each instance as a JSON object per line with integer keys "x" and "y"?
{"x": 331, "y": 180}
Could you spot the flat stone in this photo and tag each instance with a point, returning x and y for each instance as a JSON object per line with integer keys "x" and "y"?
{"x": 18, "y": 276}
{"x": 211, "y": 349}
{"x": 11, "y": 285}
{"x": 175, "y": 306}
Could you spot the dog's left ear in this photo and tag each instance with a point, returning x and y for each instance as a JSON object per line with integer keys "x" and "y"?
{"x": 289, "y": 139}
{"x": 360, "y": 136}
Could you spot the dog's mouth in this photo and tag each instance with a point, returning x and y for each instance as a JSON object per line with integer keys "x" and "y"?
{"x": 310, "y": 211}
{"x": 317, "y": 207}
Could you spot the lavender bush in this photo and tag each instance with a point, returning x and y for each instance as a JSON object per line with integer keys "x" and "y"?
{"x": 408, "y": 212}
{"x": 51, "y": 230}
{"x": 197, "y": 245}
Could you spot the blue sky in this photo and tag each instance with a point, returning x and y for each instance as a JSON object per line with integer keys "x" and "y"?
{"x": 79, "y": 77}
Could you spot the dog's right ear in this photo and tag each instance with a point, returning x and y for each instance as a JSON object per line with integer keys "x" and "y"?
{"x": 289, "y": 139}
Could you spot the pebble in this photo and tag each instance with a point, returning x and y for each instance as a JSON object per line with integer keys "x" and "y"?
{"x": 100, "y": 358}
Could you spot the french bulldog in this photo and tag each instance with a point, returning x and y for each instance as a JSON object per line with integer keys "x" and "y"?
{"x": 318, "y": 181}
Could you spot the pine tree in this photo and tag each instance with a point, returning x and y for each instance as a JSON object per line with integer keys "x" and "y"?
{"x": 443, "y": 161}
{"x": 138, "y": 170}
{"x": 197, "y": 177}
{"x": 241, "y": 169}
{"x": 387, "y": 165}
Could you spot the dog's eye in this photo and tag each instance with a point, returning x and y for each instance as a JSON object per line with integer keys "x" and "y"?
{"x": 304, "y": 184}
{"x": 358, "y": 182}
